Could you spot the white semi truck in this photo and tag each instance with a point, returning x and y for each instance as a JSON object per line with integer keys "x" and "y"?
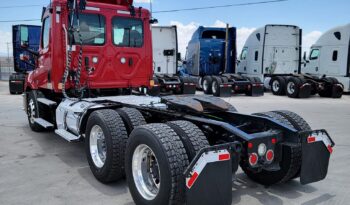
{"x": 330, "y": 56}
{"x": 271, "y": 50}
{"x": 273, "y": 53}
{"x": 165, "y": 62}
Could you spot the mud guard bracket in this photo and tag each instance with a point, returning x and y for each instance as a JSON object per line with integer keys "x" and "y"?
{"x": 317, "y": 147}
{"x": 209, "y": 176}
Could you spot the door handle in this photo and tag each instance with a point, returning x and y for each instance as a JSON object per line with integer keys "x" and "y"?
{"x": 316, "y": 69}
{"x": 131, "y": 62}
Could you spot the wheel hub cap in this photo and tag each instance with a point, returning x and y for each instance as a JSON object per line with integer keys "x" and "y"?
{"x": 98, "y": 148}
{"x": 146, "y": 173}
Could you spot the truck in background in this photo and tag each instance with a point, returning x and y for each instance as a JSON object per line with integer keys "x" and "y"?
{"x": 211, "y": 61}
{"x": 165, "y": 62}
{"x": 271, "y": 50}
{"x": 273, "y": 54}
{"x": 330, "y": 56}
{"x": 25, "y": 41}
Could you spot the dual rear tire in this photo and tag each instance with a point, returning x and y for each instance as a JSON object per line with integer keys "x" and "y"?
{"x": 153, "y": 157}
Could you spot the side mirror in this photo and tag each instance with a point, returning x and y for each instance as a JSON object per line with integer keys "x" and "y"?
{"x": 178, "y": 56}
{"x": 304, "y": 57}
{"x": 153, "y": 21}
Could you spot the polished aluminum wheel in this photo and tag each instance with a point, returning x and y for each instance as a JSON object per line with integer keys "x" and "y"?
{"x": 98, "y": 148}
{"x": 205, "y": 85}
{"x": 275, "y": 85}
{"x": 145, "y": 171}
{"x": 291, "y": 87}
{"x": 214, "y": 86}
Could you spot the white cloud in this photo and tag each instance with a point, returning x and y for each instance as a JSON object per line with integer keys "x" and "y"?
{"x": 5, "y": 37}
{"x": 310, "y": 38}
{"x": 242, "y": 36}
{"x": 185, "y": 34}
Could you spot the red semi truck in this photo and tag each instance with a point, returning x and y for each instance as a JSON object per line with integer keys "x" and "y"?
{"x": 171, "y": 149}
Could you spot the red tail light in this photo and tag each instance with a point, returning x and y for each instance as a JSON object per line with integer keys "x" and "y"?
{"x": 253, "y": 159}
{"x": 270, "y": 155}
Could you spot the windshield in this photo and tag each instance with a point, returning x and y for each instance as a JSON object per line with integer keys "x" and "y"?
{"x": 214, "y": 34}
{"x": 92, "y": 29}
{"x": 127, "y": 32}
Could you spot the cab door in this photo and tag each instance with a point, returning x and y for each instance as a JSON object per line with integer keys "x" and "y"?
{"x": 242, "y": 63}
{"x": 313, "y": 65}
{"x": 44, "y": 60}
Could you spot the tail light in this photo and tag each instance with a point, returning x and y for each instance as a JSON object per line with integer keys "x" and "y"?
{"x": 253, "y": 159}
{"x": 270, "y": 155}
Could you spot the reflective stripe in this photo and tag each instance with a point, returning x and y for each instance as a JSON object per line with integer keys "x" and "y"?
{"x": 318, "y": 137}
{"x": 204, "y": 159}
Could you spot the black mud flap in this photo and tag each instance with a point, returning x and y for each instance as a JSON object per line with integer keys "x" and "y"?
{"x": 256, "y": 90}
{"x": 337, "y": 90}
{"x": 209, "y": 176}
{"x": 317, "y": 147}
{"x": 189, "y": 88}
{"x": 305, "y": 91}
{"x": 225, "y": 90}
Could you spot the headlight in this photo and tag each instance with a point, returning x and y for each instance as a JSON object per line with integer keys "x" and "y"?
{"x": 262, "y": 149}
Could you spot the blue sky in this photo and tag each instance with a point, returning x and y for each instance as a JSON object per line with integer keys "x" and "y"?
{"x": 313, "y": 16}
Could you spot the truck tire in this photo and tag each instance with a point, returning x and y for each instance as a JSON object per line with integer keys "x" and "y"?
{"x": 207, "y": 83}
{"x": 215, "y": 86}
{"x": 298, "y": 123}
{"x": 105, "y": 144}
{"x": 132, "y": 118}
{"x": 34, "y": 111}
{"x": 200, "y": 83}
{"x": 329, "y": 91}
{"x": 289, "y": 165}
{"x": 162, "y": 181}
{"x": 293, "y": 87}
{"x": 278, "y": 85}
{"x": 191, "y": 136}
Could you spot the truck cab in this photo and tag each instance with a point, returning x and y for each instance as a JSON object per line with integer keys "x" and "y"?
{"x": 270, "y": 50}
{"x": 106, "y": 45}
{"x": 330, "y": 56}
{"x": 25, "y": 42}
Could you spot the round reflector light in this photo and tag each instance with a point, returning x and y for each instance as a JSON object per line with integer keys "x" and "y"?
{"x": 270, "y": 155}
{"x": 253, "y": 159}
{"x": 261, "y": 149}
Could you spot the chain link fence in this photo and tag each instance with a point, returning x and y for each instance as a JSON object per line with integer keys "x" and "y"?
{"x": 6, "y": 68}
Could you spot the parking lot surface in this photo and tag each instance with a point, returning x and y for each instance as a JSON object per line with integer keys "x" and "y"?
{"x": 42, "y": 168}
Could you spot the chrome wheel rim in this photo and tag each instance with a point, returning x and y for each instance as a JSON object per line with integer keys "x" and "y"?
{"x": 291, "y": 87}
{"x": 275, "y": 85}
{"x": 31, "y": 111}
{"x": 214, "y": 87}
{"x": 145, "y": 171}
{"x": 205, "y": 85}
{"x": 98, "y": 148}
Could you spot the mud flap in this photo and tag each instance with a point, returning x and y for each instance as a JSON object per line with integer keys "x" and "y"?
{"x": 317, "y": 147}
{"x": 189, "y": 88}
{"x": 256, "y": 90}
{"x": 337, "y": 90}
{"x": 225, "y": 90}
{"x": 305, "y": 91}
{"x": 209, "y": 176}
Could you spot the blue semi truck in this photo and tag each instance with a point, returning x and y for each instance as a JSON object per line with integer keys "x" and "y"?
{"x": 25, "y": 41}
{"x": 211, "y": 60}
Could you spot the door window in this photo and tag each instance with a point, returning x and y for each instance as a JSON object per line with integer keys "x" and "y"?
{"x": 24, "y": 35}
{"x": 92, "y": 29}
{"x": 244, "y": 54}
{"x": 315, "y": 53}
{"x": 127, "y": 32}
{"x": 46, "y": 32}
